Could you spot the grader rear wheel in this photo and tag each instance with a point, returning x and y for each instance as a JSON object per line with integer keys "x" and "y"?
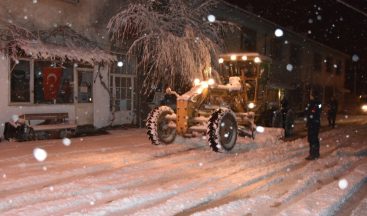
{"x": 159, "y": 131}
{"x": 222, "y": 130}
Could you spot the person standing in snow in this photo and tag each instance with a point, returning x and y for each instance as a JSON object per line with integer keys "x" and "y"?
{"x": 333, "y": 108}
{"x": 313, "y": 111}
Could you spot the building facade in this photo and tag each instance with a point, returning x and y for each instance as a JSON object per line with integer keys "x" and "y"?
{"x": 298, "y": 63}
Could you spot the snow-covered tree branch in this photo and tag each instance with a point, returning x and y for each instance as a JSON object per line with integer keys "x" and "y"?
{"x": 174, "y": 39}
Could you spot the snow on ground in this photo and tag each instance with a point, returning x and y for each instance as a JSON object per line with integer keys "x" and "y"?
{"x": 123, "y": 174}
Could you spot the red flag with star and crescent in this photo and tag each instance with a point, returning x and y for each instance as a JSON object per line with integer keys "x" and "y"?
{"x": 51, "y": 82}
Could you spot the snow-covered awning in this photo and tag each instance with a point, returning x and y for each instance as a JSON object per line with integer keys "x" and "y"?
{"x": 41, "y": 50}
{"x": 61, "y": 43}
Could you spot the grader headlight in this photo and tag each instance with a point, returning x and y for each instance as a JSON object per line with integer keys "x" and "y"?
{"x": 211, "y": 82}
{"x": 204, "y": 84}
{"x": 196, "y": 82}
{"x": 364, "y": 108}
{"x": 199, "y": 90}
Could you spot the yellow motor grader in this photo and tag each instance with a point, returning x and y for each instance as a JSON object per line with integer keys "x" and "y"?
{"x": 220, "y": 107}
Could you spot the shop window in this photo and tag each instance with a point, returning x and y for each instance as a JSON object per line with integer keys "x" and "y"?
{"x": 122, "y": 91}
{"x": 85, "y": 86}
{"x": 53, "y": 83}
{"x": 122, "y": 83}
{"x": 20, "y": 82}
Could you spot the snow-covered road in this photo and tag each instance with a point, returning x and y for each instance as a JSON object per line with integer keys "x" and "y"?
{"x": 123, "y": 174}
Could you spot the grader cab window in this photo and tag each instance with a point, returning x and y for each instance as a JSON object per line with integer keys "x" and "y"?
{"x": 247, "y": 69}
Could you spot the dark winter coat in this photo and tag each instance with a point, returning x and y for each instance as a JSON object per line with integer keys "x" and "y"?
{"x": 313, "y": 112}
{"x": 333, "y": 106}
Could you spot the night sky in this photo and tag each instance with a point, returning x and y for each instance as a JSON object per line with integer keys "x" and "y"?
{"x": 341, "y": 24}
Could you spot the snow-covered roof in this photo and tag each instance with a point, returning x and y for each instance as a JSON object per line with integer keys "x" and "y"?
{"x": 40, "y": 50}
{"x": 62, "y": 43}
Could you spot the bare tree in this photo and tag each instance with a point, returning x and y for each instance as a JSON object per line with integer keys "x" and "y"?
{"x": 174, "y": 40}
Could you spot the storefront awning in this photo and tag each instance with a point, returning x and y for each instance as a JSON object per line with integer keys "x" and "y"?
{"x": 61, "y": 43}
{"x": 41, "y": 50}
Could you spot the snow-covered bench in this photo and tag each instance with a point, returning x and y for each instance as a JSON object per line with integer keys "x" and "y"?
{"x": 49, "y": 122}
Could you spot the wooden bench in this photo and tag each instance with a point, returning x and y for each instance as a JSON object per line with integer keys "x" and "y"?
{"x": 49, "y": 122}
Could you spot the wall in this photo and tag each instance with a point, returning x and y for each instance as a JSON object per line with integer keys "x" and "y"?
{"x": 102, "y": 114}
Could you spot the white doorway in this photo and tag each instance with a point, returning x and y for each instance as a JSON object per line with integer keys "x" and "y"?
{"x": 121, "y": 87}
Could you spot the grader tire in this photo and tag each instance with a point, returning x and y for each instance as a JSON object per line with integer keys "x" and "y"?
{"x": 222, "y": 130}
{"x": 157, "y": 125}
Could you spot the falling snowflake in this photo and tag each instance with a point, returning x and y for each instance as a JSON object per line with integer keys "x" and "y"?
{"x": 355, "y": 58}
{"x": 278, "y": 32}
{"x": 200, "y": 164}
{"x": 4, "y": 176}
{"x": 25, "y": 17}
{"x": 44, "y": 168}
{"x": 51, "y": 188}
{"x": 343, "y": 183}
{"x": 310, "y": 20}
{"x": 347, "y": 136}
{"x": 34, "y": 1}
{"x": 260, "y": 129}
{"x": 66, "y": 141}
{"x": 39, "y": 154}
{"x": 289, "y": 67}
{"x": 211, "y": 18}
{"x": 319, "y": 17}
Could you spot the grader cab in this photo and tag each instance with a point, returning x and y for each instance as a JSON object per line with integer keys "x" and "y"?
{"x": 221, "y": 107}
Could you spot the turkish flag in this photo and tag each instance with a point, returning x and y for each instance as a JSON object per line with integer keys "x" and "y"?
{"x": 51, "y": 82}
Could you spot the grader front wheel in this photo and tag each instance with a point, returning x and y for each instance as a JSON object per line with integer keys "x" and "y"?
{"x": 158, "y": 128}
{"x": 222, "y": 130}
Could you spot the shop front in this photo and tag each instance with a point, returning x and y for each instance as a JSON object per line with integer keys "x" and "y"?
{"x": 56, "y": 78}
